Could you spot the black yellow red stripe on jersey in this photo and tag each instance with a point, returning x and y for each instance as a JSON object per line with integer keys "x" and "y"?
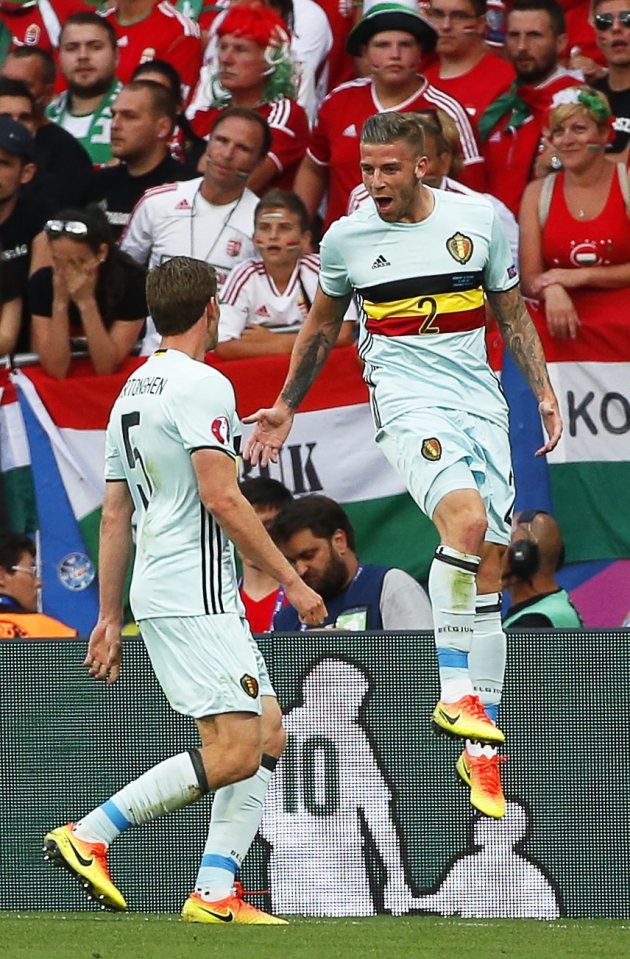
{"x": 425, "y": 305}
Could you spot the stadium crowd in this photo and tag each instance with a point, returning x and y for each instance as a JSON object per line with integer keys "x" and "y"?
{"x": 174, "y": 120}
{"x": 137, "y": 131}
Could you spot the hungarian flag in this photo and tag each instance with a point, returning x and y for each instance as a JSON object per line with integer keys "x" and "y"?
{"x": 585, "y": 481}
{"x": 61, "y": 424}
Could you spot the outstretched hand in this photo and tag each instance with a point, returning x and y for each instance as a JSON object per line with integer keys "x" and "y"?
{"x": 273, "y": 425}
{"x": 552, "y": 421}
{"x": 104, "y": 653}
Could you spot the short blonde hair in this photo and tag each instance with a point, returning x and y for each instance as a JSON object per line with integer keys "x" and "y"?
{"x": 579, "y": 99}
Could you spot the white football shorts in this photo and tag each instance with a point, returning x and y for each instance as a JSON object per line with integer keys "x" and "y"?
{"x": 207, "y": 665}
{"x": 437, "y": 451}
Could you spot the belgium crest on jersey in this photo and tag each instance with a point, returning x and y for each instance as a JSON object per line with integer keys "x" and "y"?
{"x": 460, "y": 247}
{"x": 250, "y": 685}
{"x": 431, "y": 449}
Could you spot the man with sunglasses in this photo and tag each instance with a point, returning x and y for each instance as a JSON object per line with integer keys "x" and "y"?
{"x": 612, "y": 31}
{"x": 19, "y": 592}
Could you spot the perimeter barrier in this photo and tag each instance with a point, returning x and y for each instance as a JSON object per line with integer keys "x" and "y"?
{"x": 364, "y": 813}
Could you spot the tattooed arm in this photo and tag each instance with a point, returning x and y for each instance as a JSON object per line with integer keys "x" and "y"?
{"x": 521, "y": 339}
{"x": 312, "y": 348}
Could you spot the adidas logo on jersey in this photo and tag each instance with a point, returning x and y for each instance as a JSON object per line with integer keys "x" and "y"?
{"x": 183, "y": 205}
{"x": 380, "y": 261}
{"x": 263, "y": 311}
{"x": 350, "y": 131}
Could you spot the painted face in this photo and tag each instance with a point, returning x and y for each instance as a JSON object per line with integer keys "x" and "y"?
{"x": 233, "y": 151}
{"x": 578, "y": 140}
{"x": 391, "y": 173}
{"x": 458, "y": 27}
{"x": 531, "y": 44}
{"x": 613, "y": 39}
{"x": 279, "y": 237}
{"x": 393, "y": 56}
{"x": 317, "y": 562}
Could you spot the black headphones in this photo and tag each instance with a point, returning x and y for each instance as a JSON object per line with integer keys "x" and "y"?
{"x": 524, "y": 554}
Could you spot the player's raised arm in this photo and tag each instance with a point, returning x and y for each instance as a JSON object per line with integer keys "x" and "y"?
{"x": 522, "y": 340}
{"x": 311, "y": 350}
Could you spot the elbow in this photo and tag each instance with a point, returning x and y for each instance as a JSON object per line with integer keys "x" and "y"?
{"x": 227, "y": 350}
{"x": 57, "y": 368}
{"x": 105, "y": 367}
{"x": 220, "y": 503}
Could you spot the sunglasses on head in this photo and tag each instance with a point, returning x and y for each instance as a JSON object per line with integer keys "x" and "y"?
{"x": 69, "y": 227}
{"x": 605, "y": 21}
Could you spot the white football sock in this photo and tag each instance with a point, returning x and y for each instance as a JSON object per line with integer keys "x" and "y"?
{"x": 236, "y": 814}
{"x": 172, "y": 784}
{"x": 452, "y": 580}
{"x": 486, "y": 660}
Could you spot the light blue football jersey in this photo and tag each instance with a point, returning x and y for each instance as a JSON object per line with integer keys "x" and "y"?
{"x": 420, "y": 288}
{"x": 170, "y": 407}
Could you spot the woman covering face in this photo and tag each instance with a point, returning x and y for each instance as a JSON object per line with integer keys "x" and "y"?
{"x": 92, "y": 293}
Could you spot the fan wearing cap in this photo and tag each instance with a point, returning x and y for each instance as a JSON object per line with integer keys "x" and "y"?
{"x": 22, "y": 242}
{"x": 256, "y": 70}
{"x": 392, "y": 37}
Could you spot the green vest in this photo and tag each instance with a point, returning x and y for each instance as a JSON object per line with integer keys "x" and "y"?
{"x": 557, "y": 607}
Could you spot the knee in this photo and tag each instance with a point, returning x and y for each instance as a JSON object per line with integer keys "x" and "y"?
{"x": 474, "y": 526}
{"x": 275, "y": 741}
{"x": 466, "y": 530}
{"x": 461, "y": 521}
{"x": 273, "y": 734}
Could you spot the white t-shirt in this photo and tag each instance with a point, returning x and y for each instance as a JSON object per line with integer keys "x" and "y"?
{"x": 170, "y": 407}
{"x": 420, "y": 288}
{"x": 251, "y": 298}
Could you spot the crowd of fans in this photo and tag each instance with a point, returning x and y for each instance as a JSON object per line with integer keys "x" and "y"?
{"x": 142, "y": 130}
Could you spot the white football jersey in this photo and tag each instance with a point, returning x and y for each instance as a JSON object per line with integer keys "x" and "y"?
{"x": 251, "y": 298}
{"x": 170, "y": 407}
{"x": 175, "y": 220}
{"x": 420, "y": 288}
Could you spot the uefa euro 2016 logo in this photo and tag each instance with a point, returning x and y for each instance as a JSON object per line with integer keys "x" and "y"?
{"x": 76, "y": 572}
